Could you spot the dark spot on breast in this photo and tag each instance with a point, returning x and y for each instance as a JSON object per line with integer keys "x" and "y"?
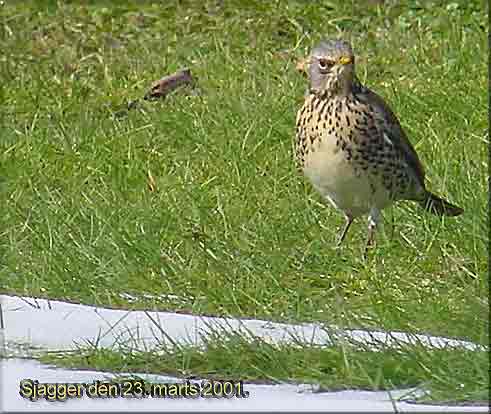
{"x": 348, "y": 153}
{"x": 323, "y": 107}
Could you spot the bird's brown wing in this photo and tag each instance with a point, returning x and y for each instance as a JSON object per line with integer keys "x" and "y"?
{"x": 394, "y": 130}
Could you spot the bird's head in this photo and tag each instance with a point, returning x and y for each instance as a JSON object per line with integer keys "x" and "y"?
{"x": 331, "y": 68}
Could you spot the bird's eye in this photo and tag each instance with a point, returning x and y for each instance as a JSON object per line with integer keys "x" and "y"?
{"x": 325, "y": 64}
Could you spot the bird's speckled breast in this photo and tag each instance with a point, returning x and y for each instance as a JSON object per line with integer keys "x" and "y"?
{"x": 333, "y": 149}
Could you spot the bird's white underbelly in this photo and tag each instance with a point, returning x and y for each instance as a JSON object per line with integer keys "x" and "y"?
{"x": 354, "y": 192}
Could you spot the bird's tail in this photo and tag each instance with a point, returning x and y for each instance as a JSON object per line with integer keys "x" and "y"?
{"x": 439, "y": 206}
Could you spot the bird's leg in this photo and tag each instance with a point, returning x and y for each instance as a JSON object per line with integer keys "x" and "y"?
{"x": 349, "y": 219}
{"x": 373, "y": 219}
{"x": 392, "y": 227}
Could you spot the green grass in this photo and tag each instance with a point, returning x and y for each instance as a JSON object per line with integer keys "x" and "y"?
{"x": 231, "y": 228}
{"x": 434, "y": 374}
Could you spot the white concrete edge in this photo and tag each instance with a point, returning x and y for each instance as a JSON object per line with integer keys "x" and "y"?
{"x": 61, "y": 325}
{"x": 282, "y": 397}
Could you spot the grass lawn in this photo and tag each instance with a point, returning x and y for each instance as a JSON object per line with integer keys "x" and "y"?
{"x": 230, "y": 228}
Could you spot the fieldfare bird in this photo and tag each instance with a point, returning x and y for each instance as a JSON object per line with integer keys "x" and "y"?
{"x": 351, "y": 147}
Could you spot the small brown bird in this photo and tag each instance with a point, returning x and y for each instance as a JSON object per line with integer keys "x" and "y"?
{"x": 351, "y": 146}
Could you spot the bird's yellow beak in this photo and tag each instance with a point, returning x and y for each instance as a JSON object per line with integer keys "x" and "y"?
{"x": 345, "y": 60}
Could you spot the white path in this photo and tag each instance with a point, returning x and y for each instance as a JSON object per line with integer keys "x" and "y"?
{"x": 55, "y": 325}
{"x": 60, "y": 325}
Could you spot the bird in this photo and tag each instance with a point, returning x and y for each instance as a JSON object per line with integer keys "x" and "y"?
{"x": 351, "y": 146}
